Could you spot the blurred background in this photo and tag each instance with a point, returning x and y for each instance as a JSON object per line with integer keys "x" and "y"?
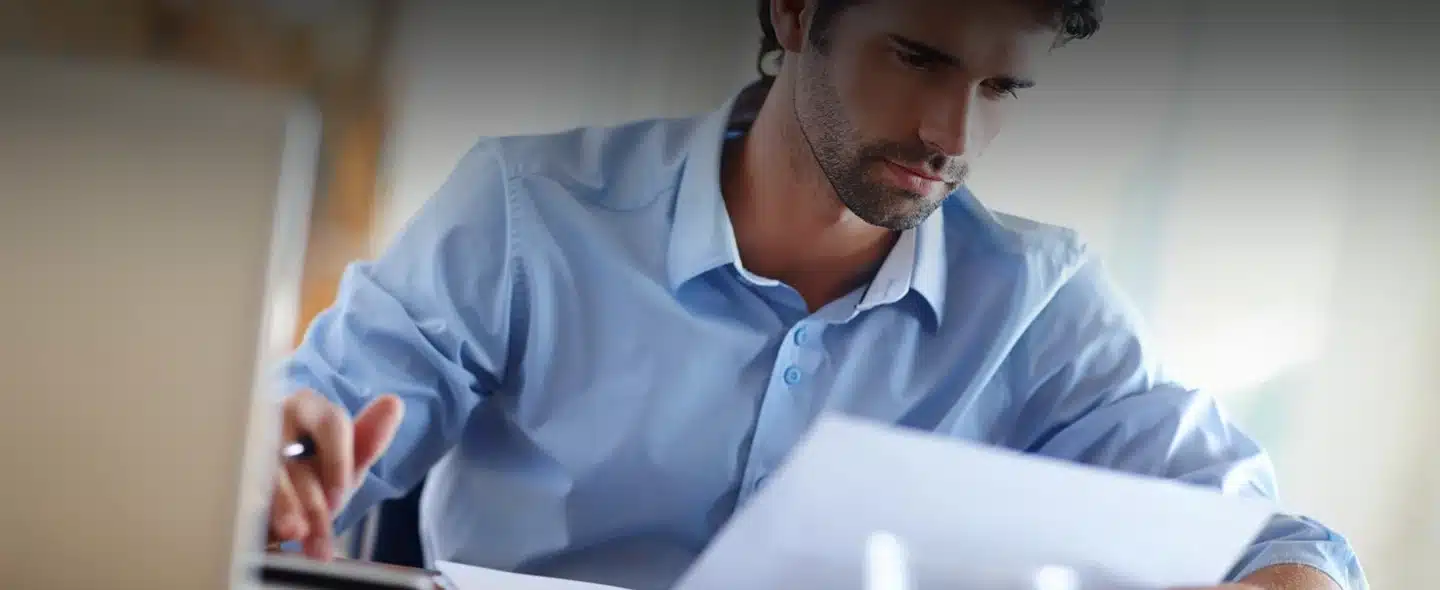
{"x": 1262, "y": 178}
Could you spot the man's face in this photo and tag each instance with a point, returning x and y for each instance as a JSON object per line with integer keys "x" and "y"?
{"x": 904, "y": 94}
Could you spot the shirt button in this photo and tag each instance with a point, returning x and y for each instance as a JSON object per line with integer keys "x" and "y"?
{"x": 791, "y": 376}
{"x": 800, "y": 336}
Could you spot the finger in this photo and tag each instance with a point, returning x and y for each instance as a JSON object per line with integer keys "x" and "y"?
{"x": 287, "y": 517}
{"x": 374, "y": 429}
{"x": 329, "y": 426}
{"x": 311, "y": 496}
{"x": 293, "y": 410}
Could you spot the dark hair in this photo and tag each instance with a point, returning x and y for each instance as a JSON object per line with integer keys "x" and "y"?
{"x": 1073, "y": 19}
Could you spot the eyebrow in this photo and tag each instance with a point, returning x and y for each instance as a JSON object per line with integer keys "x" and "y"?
{"x": 936, "y": 54}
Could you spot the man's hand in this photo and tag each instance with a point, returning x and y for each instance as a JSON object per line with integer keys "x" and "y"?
{"x": 1282, "y": 577}
{"x": 309, "y": 492}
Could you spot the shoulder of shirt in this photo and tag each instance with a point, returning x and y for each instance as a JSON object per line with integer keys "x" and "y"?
{"x": 1065, "y": 278}
{"x": 1055, "y": 251}
{"x": 619, "y": 167}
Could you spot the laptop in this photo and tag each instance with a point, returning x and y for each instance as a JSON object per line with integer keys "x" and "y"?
{"x": 152, "y": 229}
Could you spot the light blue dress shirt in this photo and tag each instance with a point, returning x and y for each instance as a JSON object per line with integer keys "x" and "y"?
{"x": 594, "y": 382}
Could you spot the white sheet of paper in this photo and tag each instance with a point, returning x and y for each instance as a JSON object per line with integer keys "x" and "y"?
{"x": 970, "y": 516}
{"x": 469, "y": 577}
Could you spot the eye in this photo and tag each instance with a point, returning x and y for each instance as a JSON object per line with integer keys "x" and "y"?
{"x": 1003, "y": 88}
{"x": 917, "y": 61}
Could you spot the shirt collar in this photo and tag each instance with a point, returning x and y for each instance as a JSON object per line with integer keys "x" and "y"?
{"x": 702, "y": 237}
{"x": 916, "y": 263}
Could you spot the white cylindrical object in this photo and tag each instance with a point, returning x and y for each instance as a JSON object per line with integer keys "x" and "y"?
{"x": 887, "y": 563}
{"x": 1056, "y": 577}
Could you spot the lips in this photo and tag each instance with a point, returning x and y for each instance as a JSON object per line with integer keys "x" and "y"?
{"x": 920, "y": 172}
{"x": 911, "y": 179}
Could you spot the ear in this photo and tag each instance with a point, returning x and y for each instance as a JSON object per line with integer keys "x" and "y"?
{"x": 790, "y": 19}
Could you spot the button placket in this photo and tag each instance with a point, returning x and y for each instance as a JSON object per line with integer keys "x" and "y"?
{"x": 792, "y": 375}
{"x": 777, "y": 409}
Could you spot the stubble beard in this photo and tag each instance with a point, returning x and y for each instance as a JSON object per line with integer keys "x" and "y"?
{"x": 828, "y": 133}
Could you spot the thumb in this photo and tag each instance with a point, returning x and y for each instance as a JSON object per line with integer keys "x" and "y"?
{"x": 375, "y": 427}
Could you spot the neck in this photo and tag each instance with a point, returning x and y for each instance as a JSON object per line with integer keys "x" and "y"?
{"x": 789, "y": 223}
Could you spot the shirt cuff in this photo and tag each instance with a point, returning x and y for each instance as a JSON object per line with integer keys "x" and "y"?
{"x": 1290, "y": 540}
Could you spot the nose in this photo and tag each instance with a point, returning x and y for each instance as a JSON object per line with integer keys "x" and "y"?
{"x": 949, "y": 126}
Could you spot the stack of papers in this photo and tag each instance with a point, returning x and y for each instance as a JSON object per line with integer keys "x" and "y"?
{"x": 969, "y": 516}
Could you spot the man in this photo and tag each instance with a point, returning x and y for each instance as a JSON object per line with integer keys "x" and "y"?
{"x": 604, "y": 340}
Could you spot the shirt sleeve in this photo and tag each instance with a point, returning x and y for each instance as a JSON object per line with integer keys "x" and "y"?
{"x": 428, "y": 321}
{"x": 1102, "y": 400}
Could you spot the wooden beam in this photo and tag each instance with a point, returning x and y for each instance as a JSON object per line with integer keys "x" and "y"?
{"x": 344, "y": 212}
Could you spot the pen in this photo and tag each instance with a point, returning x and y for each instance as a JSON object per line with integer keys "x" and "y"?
{"x": 302, "y": 448}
